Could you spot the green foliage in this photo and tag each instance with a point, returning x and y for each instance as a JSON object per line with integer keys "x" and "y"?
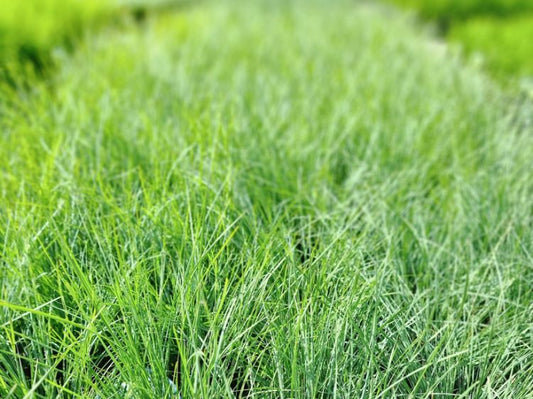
{"x": 42, "y": 24}
{"x": 507, "y": 44}
{"x": 31, "y": 29}
{"x": 452, "y": 10}
{"x": 499, "y": 30}
{"x": 265, "y": 199}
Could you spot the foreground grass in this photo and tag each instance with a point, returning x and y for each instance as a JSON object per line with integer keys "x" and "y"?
{"x": 291, "y": 201}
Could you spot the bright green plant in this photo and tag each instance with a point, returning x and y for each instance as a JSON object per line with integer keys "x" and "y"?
{"x": 452, "y": 10}
{"x": 498, "y": 30}
{"x": 507, "y": 44}
{"x": 39, "y": 25}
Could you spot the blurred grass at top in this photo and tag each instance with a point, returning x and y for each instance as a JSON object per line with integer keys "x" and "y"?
{"x": 500, "y": 30}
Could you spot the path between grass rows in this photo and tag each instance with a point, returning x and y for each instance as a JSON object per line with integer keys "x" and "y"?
{"x": 266, "y": 200}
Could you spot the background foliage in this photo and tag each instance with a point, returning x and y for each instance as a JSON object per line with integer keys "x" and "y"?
{"x": 500, "y": 30}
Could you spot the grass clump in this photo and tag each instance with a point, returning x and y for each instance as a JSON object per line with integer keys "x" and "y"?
{"x": 276, "y": 200}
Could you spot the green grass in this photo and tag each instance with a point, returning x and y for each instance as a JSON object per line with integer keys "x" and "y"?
{"x": 268, "y": 200}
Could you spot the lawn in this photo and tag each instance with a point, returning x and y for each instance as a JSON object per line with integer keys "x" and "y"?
{"x": 265, "y": 199}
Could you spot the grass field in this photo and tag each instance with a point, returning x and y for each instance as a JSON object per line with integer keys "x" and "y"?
{"x": 266, "y": 200}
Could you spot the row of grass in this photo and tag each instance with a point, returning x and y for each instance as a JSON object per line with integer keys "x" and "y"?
{"x": 266, "y": 200}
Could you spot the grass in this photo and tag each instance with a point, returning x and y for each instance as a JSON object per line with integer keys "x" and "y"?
{"x": 269, "y": 200}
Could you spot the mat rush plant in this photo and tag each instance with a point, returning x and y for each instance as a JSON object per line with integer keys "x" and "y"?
{"x": 265, "y": 200}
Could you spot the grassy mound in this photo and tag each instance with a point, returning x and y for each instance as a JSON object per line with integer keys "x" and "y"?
{"x": 275, "y": 200}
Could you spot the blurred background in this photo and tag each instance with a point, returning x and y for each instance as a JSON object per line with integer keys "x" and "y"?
{"x": 499, "y": 33}
{"x": 32, "y": 30}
